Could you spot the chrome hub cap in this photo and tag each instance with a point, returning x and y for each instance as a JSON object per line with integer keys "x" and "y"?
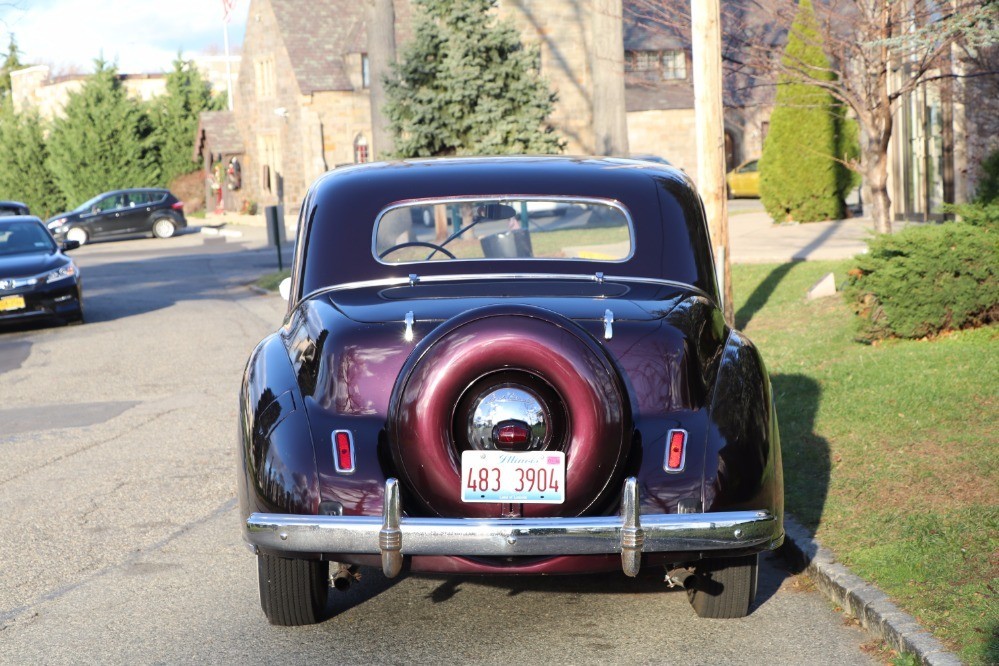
{"x": 509, "y": 418}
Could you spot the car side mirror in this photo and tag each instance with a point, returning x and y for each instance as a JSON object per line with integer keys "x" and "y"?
{"x": 70, "y": 245}
{"x": 285, "y": 288}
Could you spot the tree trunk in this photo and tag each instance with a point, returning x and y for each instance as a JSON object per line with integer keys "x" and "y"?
{"x": 876, "y": 174}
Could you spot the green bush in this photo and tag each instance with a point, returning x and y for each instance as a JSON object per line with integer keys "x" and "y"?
{"x": 988, "y": 188}
{"x": 926, "y": 280}
{"x": 977, "y": 214}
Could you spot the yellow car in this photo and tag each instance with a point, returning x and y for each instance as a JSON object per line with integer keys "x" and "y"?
{"x": 744, "y": 180}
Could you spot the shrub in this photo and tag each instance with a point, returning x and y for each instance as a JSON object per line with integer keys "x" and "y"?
{"x": 925, "y": 280}
{"x": 977, "y": 214}
{"x": 988, "y": 188}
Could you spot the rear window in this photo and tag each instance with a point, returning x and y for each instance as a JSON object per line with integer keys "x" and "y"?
{"x": 504, "y": 228}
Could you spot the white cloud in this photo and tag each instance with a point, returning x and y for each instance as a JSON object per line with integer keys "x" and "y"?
{"x": 142, "y": 36}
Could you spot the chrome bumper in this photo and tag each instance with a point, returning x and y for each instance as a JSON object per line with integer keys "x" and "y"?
{"x": 630, "y": 534}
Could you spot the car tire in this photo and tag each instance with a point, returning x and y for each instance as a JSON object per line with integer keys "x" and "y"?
{"x": 164, "y": 228}
{"x": 292, "y": 592}
{"x": 724, "y": 587}
{"x": 79, "y": 235}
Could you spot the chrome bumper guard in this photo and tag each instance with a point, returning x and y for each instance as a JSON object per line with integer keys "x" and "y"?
{"x": 630, "y": 534}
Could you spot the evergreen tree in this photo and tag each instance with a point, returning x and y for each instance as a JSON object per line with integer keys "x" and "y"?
{"x": 175, "y": 116}
{"x": 103, "y": 142}
{"x": 465, "y": 85}
{"x": 24, "y": 174}
{"x": 799, "y": 177}
{"x": 11, "y": 63}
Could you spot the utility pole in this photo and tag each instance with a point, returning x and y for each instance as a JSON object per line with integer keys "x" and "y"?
{"x": 381, "y": 56}
{"x": 610, "y": 124}
{"x": 710, "y": 130}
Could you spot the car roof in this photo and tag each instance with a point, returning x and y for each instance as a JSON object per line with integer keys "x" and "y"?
{"x": 20, "y": 218}
{"x": 671, "y": 239}
{"x": 14, "y": 203}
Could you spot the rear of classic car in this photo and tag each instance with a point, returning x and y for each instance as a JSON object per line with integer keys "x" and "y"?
{"x": 506, "y": 393}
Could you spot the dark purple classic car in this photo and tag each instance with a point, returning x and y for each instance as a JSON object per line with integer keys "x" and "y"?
{"x": 539, "y": 382}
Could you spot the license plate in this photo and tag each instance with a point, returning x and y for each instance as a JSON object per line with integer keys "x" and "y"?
{"x": 11, "y": 303}
{"x": 518, "y": 477}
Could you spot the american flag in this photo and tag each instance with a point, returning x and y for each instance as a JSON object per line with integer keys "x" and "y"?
{"x": 227, "y": 7}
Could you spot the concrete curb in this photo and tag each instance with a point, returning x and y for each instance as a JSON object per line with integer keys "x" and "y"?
{"x": 858, "y": 598}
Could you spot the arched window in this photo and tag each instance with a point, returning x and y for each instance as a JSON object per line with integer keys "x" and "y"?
{"x": 361, "y": 153}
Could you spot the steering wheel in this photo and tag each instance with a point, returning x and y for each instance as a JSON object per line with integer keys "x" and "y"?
{"x": 434, "y": 246}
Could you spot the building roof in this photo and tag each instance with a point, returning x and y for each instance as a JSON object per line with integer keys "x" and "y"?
{"x": 217, "y": 133}
{"x": 318, "y": 35}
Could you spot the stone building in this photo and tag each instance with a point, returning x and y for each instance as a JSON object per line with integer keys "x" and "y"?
{"x": 36, "y": 88}
{"x": 303, "y": 102}
{"x": 302, "y": 105}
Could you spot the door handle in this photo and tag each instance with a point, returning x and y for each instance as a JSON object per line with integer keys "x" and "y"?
{"x": 117, "y": 214}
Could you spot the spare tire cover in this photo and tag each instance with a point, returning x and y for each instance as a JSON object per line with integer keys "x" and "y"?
{"x": 549, "y": 353}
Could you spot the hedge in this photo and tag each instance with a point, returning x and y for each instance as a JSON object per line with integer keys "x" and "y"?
{"x": 926, "y": 280}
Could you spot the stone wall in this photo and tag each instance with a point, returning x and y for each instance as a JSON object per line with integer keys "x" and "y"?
{"x": 268, "y": 113}
{"x": 561, "y": 28}
{"x": 667, "y": 133}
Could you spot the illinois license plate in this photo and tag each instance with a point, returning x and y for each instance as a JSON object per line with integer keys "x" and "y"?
{"x": 11, "y": 303}
{"x": 519, "y": 477}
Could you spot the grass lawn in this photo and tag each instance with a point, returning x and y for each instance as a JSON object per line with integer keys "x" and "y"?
{"x": 891, "y": 451}
{"x": 271, "y": 281}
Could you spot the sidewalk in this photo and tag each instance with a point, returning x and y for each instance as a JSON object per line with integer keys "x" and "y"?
{"x": 754, "y": 238}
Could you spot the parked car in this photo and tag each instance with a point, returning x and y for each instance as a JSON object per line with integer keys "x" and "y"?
{"x": 37, "y": 279}
{"x": 744, "y": 180}
{"x": 652, "y": 158}
{"x": 121, "y": 212}
{"x": 13, "y": 208}
{"x": 510, "y": 399}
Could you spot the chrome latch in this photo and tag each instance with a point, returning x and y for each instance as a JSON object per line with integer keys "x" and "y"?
{"x": 408, "y": 335}
{"x": 599, "y": 277}
{"x": 413, "y": 279}
{"x": 608, "y": 324}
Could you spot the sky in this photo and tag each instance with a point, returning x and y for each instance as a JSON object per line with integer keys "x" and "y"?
{"x": 142, "y": 36}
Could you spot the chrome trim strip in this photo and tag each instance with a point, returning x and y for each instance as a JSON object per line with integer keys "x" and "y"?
{"x": 393, "y": 535}
{"x": 608, "y": 324}
{"x": 464, "y": 277}
{"x": 500, "y": 198}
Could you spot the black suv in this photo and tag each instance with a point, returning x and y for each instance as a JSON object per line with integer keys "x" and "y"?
{"x": 121, "y": 212}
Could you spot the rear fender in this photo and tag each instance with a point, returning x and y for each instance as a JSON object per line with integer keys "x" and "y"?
{"x": 278, "y": 465}
{"x": 742, "y": 464}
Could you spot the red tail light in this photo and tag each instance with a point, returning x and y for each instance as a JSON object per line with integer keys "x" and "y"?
{"x": 343, "y": 451}
{"x": 676, "y": 451}
{"x": 512, "y": 434}
{"x": 178, "y": 206}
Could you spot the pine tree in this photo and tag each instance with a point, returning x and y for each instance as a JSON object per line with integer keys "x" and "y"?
{"x": 24, "y": 174}
{"x": 799, "y": 177}
{"x": 11, "y": 62}
{"x": 104, "y": 140}
{"x": 465, "y": 85}
{"x": 175, "y": 117}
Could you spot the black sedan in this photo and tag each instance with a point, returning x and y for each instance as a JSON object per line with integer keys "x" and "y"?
{"x": 37, "y": 280}
{"x": 13, "y": 208}
{"x": 119, "y": 213}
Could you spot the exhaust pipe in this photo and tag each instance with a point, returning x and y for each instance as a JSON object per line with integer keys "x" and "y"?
{"x": 343, "y": 576}
{"x": 682, "y": 577}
